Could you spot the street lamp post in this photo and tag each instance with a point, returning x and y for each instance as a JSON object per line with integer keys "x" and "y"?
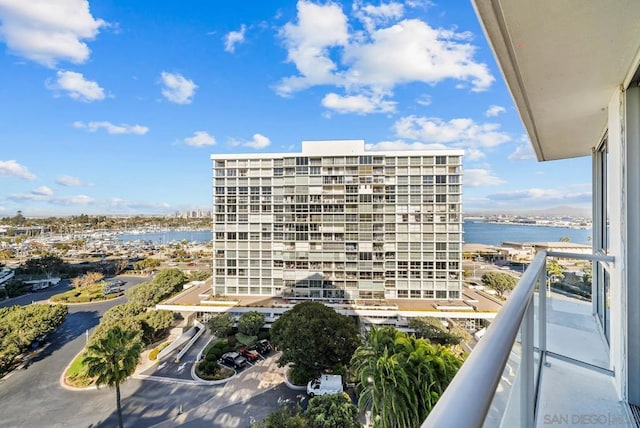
{"x": 86, "y": 335}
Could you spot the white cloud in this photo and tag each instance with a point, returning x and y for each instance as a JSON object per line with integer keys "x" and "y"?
{"x": 460, "y": 133}
{"x": 360, "y": 104}
{"x": 494, "y": 111}
{"x": 524, "y": 151}
{"x": 200, "y": 139}
{"x": 542, "y": 196}
{"x": 11, "y": 168}
{"x": 42, "y": 191}
{"x": 424, "y": 100}
{"x": 473, "y": 154}
{"x": 412, "y": 51}
{"x": 177, "y": 88}
{"x": 258, "y": 141}
{"x": 233, "y": 38}
{"x": 73, "y": 200}
{"x": 319, "y": 28}
{"x": 376, "y": 60}
{"x": 111, "y": 128}
{"x": 68, "y": 181}
{"x": 372, "y": 16}
{"x": 403, "y": 145}
{"x": 480, "y": 177}
{"x": 48, "y": 31}
{"x": 77, "y": 86}
{"x": 122, "y": 205}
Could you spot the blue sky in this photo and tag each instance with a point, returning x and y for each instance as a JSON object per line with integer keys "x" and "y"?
{"x": 114, "y": 107}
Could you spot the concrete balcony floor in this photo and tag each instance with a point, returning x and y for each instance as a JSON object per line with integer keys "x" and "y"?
{"x": 574, "y": 331}
{"x": 573, "y": 394}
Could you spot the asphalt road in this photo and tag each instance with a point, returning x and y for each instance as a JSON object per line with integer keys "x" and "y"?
{"x": 182, "y": 370}
{"x": 33, "y": 396}
{"x": 240, "y": 415}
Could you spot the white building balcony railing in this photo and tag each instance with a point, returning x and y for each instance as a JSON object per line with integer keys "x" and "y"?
{"x": 544, "y": 361}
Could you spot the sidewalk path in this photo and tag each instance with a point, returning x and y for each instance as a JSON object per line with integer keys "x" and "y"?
{"x": 262, "y": 377}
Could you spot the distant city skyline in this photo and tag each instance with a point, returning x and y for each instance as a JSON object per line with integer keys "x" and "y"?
{"x": 115, "y": 108}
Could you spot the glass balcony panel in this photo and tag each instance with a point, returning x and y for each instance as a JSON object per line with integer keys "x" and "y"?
{"x": 506, "y": 400}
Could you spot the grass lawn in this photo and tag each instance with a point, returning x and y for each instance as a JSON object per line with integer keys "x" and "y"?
{"x": 88, "y": 294}
{"x": 75, "y": 375}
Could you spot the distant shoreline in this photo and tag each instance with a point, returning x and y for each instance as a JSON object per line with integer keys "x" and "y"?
{"x": 566, "y": 226}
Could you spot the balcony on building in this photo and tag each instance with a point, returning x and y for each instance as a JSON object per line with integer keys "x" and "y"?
{"x": 551, "y": 359}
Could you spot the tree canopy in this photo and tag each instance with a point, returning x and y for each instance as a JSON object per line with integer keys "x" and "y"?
{"x": 555, "y": 269}
{"x": 332, "y": 411}
{"x": 164, "y": 284}
{"x": 500, "y": 282}
{"x": 48, "y": 264}
{"x": 250, "y": 323}
{"x": 20, "y": 326}
{"x": 222, "y": 324}
{"x": 87, "y": 280}
{"x": 314, "y": 338}
{"x": 400, "y": 377}
{"x": 283, "y": 418}
{"x": 433, "y": 329}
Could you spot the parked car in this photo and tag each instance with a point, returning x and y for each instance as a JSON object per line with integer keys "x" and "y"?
{"x": 250, "y": 354}
{"x": 325, "y": 384}
{"x": 263, "y": 346}
{"x": 233, "y": 359}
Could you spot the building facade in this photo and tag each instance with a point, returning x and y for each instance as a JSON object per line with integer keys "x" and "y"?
{"x": 338, "y": 222}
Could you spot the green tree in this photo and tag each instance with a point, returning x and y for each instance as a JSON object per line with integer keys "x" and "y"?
{"x": 20, "y": 326}
{"x": 48, "y": 263}
{"x": 147, "y": 264}
{"x": 433, "y": 329}
{"x": 87, "y": 280}
{"x": 250, "y": 323}
{"x": 155, "y": 324}
{"x": 164, "y": 284}
{"x": 199, "y": 275}
{"x": 170, "y": 280}
{"x": 332, "y": 411}
{"x": 222, "y": 324}
{"x": 384, "y": 385}
{"x": 283, "y": 418}
{"x": 500, "y": 282}
{"x": 587, "y": 278}
{"x": 400, "y": 377}
{"x": 314, "y": 338}
{"x": 555, "y": 271}
{"x": 113, "y": 359}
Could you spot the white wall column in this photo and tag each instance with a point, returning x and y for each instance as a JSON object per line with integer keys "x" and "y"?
{"x": 631, "y": 232}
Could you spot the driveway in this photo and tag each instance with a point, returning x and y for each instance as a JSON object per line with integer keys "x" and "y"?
{"x": 254, "y": 392}
{"x": 182, "y": 370}
{"x": 33, "y": 397}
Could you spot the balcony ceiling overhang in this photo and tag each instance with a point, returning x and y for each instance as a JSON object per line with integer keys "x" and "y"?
{"x": 562, "y": 61}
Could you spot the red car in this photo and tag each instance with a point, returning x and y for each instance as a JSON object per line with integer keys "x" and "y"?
{"x": 251, "y": 355}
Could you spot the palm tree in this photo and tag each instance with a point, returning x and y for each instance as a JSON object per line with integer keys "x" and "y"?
{"x": 384, "y": 385}
{"x": 113, "y": 358}
{"x": 401, "y": 377}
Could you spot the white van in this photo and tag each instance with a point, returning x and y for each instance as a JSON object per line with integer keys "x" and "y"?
{"x": 325, "y": 384}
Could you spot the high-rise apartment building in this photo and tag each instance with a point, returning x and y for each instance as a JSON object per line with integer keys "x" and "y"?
{"x": 338, "y": 222}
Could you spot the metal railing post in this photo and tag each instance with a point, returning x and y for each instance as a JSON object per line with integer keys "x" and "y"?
{"x": 527, "y": 397}
{"x": 542, "y": 313}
